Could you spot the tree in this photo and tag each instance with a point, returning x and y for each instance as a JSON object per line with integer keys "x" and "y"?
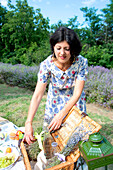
{"x": 3, "y": 11}
{"x": 86, "y": 36}
{"x": 108, "y": 19}
{"x": 41, "y": 26}
{"x": 23, "y": 27}
{"x": 94, "y": 24}
{"x": 56, "y": 26}
{"x": 73, "y": 23}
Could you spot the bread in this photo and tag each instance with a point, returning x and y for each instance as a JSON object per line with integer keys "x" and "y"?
{"x": 12, "y": 136}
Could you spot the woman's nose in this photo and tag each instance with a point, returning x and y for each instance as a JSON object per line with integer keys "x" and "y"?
{"x": 62, "y": 51}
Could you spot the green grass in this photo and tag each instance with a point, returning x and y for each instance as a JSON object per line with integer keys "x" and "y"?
{"x": 100, "y": 118}
{"x": 14, "y": 104}
{"x": 106, "y": 123}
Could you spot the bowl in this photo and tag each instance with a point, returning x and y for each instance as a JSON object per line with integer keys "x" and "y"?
{"x": 15, "y": 153}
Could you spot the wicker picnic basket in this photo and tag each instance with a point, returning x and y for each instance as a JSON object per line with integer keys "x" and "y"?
{"x": 74, "y": 119}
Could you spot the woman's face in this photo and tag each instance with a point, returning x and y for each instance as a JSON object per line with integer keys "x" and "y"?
{"x": 62, "y": 52}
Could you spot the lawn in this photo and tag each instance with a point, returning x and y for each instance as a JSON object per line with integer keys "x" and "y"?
{"x": 14, "y": 104}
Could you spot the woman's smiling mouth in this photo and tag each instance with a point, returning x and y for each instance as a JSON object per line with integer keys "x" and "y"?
{"x": 62, "y": 57}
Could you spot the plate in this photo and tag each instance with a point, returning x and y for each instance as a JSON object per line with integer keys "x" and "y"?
{"x": 15, "y": 152}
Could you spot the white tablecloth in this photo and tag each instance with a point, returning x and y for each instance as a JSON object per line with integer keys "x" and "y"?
{"x": 8, "y": 127}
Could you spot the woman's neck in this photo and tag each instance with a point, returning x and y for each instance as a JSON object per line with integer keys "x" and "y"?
{"x": 62, "y": 66}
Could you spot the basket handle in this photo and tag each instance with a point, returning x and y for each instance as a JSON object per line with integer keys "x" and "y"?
{"x": 84, "y": 115}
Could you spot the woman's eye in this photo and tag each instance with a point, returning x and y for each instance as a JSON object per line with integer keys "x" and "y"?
{"x": 67, "y": 49}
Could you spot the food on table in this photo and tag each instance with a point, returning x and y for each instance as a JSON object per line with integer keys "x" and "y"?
{"x": 19, "y": 132}
{"x": 21, "y": 135}
{"x": 12, "y": 136}
{"x": 6, "y": 160}
{"x": 8, "y": 150}
{"x": 16, "y": 137}
{"x": 2, "y": 136}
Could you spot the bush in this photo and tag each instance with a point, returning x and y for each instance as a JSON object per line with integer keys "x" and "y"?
{"x": 97, "y": 55}
{"x": 98, "y": 87}
{"x": 31, "y": 56}
{"x": 34, "y": 55}
{"x": 19, "y": 75}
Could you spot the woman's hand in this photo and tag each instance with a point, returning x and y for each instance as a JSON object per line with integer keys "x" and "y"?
{"x": 55, "y": 123}
{"x": 28, "y": 136}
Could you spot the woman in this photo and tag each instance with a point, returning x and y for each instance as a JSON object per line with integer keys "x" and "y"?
{"x": 66, "y": 71}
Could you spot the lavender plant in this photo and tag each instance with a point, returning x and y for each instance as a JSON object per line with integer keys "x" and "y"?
{"x": 79, "y": 134}
{"x": 19, "y": 75}
{"x": 98, "y": 87}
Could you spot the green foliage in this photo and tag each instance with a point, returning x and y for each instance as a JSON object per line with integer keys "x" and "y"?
{"x": 56, "y": 26}
{"x": 34, "y": 54}
{"x": 3, "y": 11}
{"x": 97, "y": 55}
{"x": 24, "y": 34}
{"x": 92, "y": 19}
{"x": 108, "y": 18}
{"x": 29, "y": 56}
{"x": 87, "y": 37}
{"x": 23, "y": 27}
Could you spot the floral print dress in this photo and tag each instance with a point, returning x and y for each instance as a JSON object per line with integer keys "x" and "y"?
{"x": 61, "y": 84}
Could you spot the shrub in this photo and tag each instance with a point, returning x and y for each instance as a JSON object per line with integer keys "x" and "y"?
{"x": 34, "y": 55}
{"x": 98, "y": 56}
{"x": 19, "y": 75}
{"x": 98, "y": 87}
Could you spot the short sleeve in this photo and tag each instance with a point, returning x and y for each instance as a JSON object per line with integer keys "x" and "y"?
{"x": 83, "y": 69}
{"x": 44, "y": 73}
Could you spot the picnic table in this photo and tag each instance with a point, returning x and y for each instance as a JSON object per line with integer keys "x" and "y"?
{"x": 22, "y": 162}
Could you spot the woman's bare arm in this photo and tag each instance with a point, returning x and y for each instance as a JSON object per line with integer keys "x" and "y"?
{"x": 34, "y": 104}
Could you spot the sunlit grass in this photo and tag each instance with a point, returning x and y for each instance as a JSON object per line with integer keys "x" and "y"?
{"x": 106, "y": 123}
{"x": 14, "y": 104}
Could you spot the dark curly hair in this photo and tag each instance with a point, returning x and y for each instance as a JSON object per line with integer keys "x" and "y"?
{"x": 66, "y": 34}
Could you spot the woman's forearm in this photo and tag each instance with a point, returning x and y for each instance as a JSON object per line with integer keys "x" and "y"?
{"x": 33, "y": 109}
{"x": 35, "y": 101}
